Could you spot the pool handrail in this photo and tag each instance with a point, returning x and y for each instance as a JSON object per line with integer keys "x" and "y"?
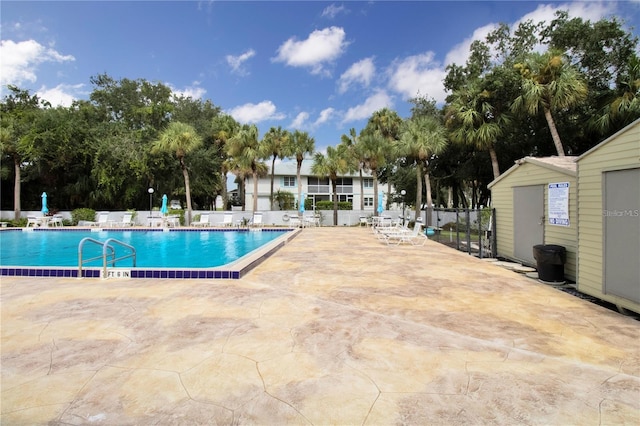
{"x": 107, "y": 251}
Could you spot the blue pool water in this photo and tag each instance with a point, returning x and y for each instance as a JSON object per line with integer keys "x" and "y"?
{"x": 154, "y": 249}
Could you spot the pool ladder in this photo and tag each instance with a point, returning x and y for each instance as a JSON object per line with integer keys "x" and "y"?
{"x": 108, "y": 254}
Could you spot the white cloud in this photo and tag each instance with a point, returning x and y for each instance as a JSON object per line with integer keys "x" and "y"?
{"x": 321, "y": 47}
{"x": 360, "y": 72}
{"x": 373, "y": 103}
{"x": 255, "y": 113}
{"x": 236, "y": 62}
{"x": 20, "y": 60}
{"x": 62, "y": 94}
{"x": 325, "y": 115}
{"x": 460, "y": 52}
{"x": 300, "y": 122}
{"x": 332, "y": 11}
{"x": 418, "y": 74}
{"x": 193, "y": 91}
{"x": 587, "y": 10}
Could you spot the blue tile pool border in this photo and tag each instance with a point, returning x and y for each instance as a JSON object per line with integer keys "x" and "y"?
{"x": 233, "y": 271}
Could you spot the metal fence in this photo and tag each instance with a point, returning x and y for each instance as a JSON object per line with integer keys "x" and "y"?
{"x": 468, "y": 230}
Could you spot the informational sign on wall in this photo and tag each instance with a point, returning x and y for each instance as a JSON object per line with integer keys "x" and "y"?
{"x": 558, "y": 204}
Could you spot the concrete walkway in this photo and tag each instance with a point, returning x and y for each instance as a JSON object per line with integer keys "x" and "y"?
{"x": 334, "y": 329}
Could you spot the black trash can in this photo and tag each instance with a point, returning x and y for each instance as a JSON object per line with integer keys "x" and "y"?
{"x": 550, "y": 261}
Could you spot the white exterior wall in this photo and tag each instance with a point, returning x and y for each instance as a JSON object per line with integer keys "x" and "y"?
{"x": 284, "y": 169}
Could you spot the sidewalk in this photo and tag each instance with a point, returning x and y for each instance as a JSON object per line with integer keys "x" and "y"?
{"x": 334, "y": 328}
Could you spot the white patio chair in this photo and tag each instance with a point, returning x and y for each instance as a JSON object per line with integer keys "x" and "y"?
{"x": 203, "y": 222}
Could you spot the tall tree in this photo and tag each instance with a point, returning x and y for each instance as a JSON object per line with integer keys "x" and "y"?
{"x": 387, "y": 122}
{"x": 224, "y": 128}
{"x": 273, "y": 145}
{"x": 473, "y": 120}
{"x": 332, "y": 165}
{"x": 299, "y": 146}
{"x": 375, "y": 149}
{"x": 549, "y": 83}
{"x": 421, "y": 138}
{"x": 19, "y": 109}
{"x": 245, "y": 149}
{"x": 356, "y": 158}
{"x": 180, "y": 139}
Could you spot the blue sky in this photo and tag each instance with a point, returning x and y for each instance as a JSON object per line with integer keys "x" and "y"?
{"x": 323, "y": 67}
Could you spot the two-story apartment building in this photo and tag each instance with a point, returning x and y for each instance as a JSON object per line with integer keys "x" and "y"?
{"x": 314, "y": 188}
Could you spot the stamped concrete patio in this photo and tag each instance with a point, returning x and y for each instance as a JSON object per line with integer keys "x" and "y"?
{"x": 333, "y": 329}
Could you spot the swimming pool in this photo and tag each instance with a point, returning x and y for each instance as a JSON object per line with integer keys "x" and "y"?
{"x": 159, "y": 253}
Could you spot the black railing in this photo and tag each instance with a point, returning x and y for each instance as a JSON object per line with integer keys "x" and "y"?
{"x": 468, "y": 230}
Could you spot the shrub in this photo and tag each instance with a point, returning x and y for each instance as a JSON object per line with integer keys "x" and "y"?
{"x": 328, "y": 205}
{"x": 83, "y": 214}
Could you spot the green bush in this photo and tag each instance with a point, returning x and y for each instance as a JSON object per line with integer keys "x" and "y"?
{"x": 328, "y": 205}
{"x": 83, "y": 214}
{"x": 285, "y": 200}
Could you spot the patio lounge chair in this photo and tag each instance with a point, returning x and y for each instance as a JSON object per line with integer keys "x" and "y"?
{"x": 56, "y": 220}
{"x": 33, "y": 221}
{"x": 127, "y": 220}
{"x": 203, "y": 222}
{"x": 415, "y": 237}
{"x": 257, "y": 220}
{"x": 228, "y": 219}
{"x": 103, "y": 220}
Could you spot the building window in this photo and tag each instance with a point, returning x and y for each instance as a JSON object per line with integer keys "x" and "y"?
{"x": 368, "y": 202}
{"x": 368, "y": 182}
{"x": 344, "y": 185}
{"x": 345, "y": 198}
{"x": 318, "y": 185}
{"x": 289, "y": 182}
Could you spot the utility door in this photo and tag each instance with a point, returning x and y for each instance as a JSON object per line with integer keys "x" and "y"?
{"x": 621, "y": 220}
{"x": 528, "y": 221}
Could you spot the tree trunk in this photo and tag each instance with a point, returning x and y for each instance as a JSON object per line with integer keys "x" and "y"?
{"x": 187, "y": 189}
{"x": 494, "y": 163}
{"x": 255, "y": 191}
{"x": 16, "y": 188}
{"x": 361, "y": 191}
{"x": 450, "y": 197}
{"x": 334, "y": 184}
{"x": 554, "y": 132}
{"x": 273, "y": 163}
{"x": 427, "y": 184}
{"x": 420, "y": 176}
{"x": 374, "y": 173}
{"x": 298, "y": 182}
{"x": 225, "y": 195}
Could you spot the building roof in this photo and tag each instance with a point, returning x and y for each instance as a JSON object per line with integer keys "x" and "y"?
{"x": 565, "y": 165}
{"x": 288, "y": 168}
{"x": 610, "y": 138}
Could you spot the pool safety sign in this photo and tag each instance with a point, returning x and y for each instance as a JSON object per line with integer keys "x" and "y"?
{"x": 558, "y": 203}
{"x": 116, "y": 273}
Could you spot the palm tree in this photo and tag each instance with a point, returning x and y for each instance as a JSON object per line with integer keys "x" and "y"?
{"x": 421, "y": 138}
{"x": 624, "y": 107}
{"x": 335, "y": 163}
{"x": 225, "y": 128}
{"x": 244, "y": 147}
{"x": 273, "y": 143}
{"x": 356, "y": 158}
{"x": 473, "y": 120}
{"x": 549, "y": 83}
{"x": 181, "y": 139}
{"x": 375, "y": 149}
{"x": 388, "y": 123}
{"x": 299, "y": 145}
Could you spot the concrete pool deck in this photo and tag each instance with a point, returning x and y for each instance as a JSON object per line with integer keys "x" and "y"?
{"x": 334, "y": 328}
